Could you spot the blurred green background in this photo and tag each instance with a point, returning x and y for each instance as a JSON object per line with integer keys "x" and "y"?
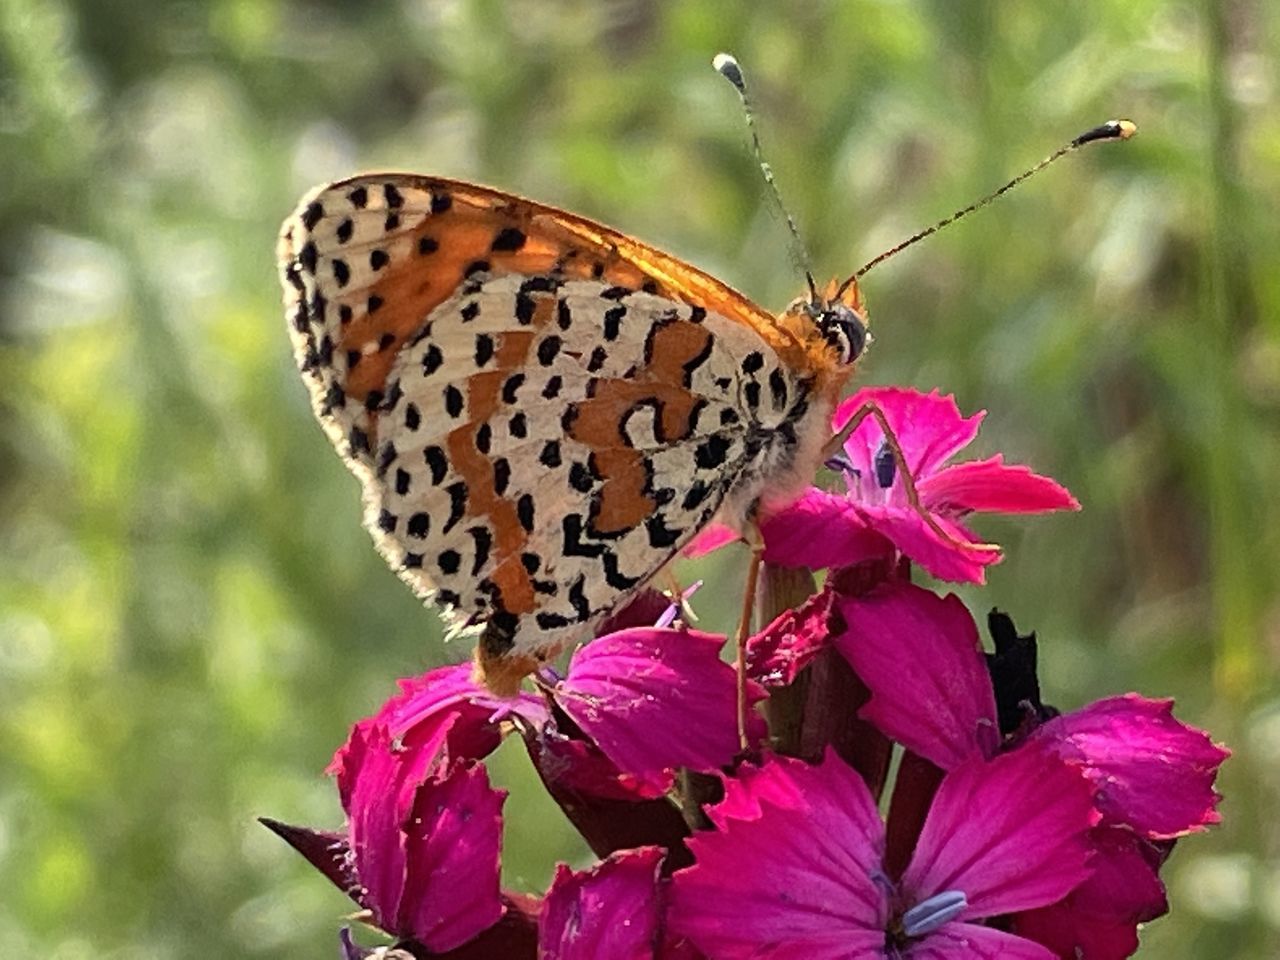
{"x": 190, "y": 613}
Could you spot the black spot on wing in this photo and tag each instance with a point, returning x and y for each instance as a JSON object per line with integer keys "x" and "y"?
{"x": 312, "y": 215}
{"x": 660, "y": 535}
{"x": 615, "y": 577}
{"x": 778, "y": 389}
{"x": 578, "y": 597}
{"x": 573, "y": 545}
{"x": 613, "y": 321}
{"x": 509, "y": 388}
{"x": 691, "y": 365}
{"x": 483, "y": 542}
{"x": 508, "y": 240}
{"x": 457, "y": 504}
{"x": 438, "y": 463}
{"x": 711, "y": 453}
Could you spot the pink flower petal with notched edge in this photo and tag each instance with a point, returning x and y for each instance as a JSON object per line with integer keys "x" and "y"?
{"x": 952, "y": 560}
{"x": 1012, "y": 833}
{"x": 611, "y": 910}
{"x": 655, "y": 699}
{"x": 965, "y": 941}
{"x": 819, "y": 530}
{"x": 1153, "y": 772}
{"x": 452, "y": 841}
{"x": 993, "y": 486}
{"x": 791, "y": 882}
{"x": 920, "y": 656}
{"x": 398, "y": 833}
{"x": 777, "y": 654}
{"x": 1099, "y": 919}
{"x": 444, "y": 707}
{"x": 378, "y": 797}
{"x": 752, "y": 785}
{"x": 929, "y": 428}
{"x": 423, "y": 700}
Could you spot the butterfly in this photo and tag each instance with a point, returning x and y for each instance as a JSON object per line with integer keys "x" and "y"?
{"x": 542, "y": 411}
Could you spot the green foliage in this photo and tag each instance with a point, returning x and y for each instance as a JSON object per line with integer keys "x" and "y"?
{"x": 190, "y": 613}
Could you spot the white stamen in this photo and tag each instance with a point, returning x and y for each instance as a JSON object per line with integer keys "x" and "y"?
{"x": 679, "y": 607}
{"x": 928, "y": 915}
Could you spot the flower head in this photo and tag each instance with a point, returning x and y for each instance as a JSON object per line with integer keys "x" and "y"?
{"x": 1153, "y": 774}
{"x": 875, "y": 516}
{"x": 424, "y": 840}
{"x": 797, "y": 866}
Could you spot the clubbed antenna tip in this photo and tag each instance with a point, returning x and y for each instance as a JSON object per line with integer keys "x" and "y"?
{"x": 728, "y": 67}
{"x": 1111, "y": 130}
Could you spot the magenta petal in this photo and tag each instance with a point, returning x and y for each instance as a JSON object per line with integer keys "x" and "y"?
{"x": 752, "y": 785}
{"x": 424, "y": 700}
{"x": 792, "y": 882}
{"x": 819, "y": 530}
{"x": 452, "y": 842}
{"x": 928, "y": 426}
{"x": 1011, "y": 833}
{"x": 777, "y": 654}
{"x": 443, "y": 711}
{"x": 1154, "y": 773}
{"x": 949, "y": 560}
{"x": 991, "y": 485}
{"x": 608, "y": 808}
{"x": 1099, "y": 919}
{"x": 611, "y": 910}
{"x": 381, "y": 784}
{"x": 654, "y": 700}
{"x": 965, "y": 941}
{"x": 711, "y": 538}
{"x": 920, "y": 656}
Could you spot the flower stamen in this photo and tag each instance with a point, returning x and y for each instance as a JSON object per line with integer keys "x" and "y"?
{"x": 928, "y": 915}
{"x": 885, "y": 466}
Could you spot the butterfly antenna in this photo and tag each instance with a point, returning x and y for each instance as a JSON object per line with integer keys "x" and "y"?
{"x": 729, "y": 68}
{"x": 1111, "y": 130}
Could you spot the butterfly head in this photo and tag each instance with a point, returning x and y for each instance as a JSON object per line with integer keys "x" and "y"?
{"x": 840, "y": 318}
{"x": 843, "y": 328}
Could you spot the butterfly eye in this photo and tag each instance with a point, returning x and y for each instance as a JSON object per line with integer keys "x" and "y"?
{"x": 844, "y": 330}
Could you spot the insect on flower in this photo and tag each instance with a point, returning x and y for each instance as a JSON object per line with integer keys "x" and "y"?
{"x": 542, "y": 410}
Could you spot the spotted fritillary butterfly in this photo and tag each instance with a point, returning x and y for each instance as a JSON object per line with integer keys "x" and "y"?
{"x": 543, "y": 411}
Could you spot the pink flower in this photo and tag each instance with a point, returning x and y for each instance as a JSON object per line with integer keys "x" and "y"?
{"x": 875, "y": 518}
{"x": 796, "y": 868}
{"x": 424, "y": 840}
{"x": 421, "y": 846}
{"x": 1153, "y": 774}
{"x": 440, "y": 715}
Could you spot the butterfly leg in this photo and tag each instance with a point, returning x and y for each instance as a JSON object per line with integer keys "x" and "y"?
{"x": 756, "y": 543}
{"x": 873, "y": 410}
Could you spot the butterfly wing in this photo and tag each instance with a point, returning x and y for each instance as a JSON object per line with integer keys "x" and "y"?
{"x": 542, "y": 411}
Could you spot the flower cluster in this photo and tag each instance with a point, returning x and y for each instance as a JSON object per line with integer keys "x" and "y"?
{"x": 1012, "y": 830}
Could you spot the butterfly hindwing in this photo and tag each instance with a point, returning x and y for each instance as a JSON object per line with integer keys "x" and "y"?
{"x": 542, "y": 411}
{"x": 532, "y": 481}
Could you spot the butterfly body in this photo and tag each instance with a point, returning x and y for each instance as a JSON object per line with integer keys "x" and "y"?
{"x": 542, "y": 411}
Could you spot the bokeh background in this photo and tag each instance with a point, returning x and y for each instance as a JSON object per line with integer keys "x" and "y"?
{"x": 190, "y": 613}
